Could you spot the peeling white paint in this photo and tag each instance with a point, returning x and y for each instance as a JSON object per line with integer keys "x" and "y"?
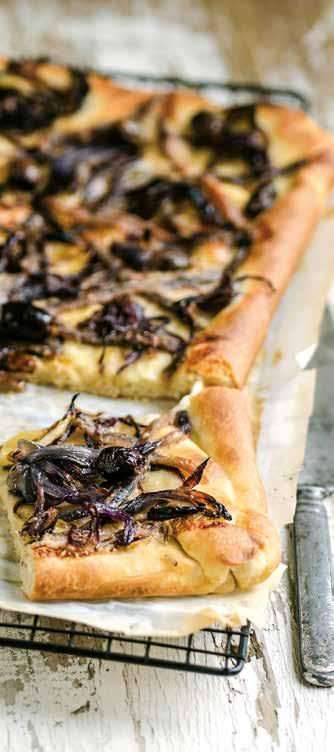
{"x": 50, "y": 703}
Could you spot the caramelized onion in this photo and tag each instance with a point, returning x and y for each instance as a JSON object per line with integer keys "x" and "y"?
{"x": 24, "y": 321}
{"x": 26, "y": 112}
{"x": 88, "y": 487}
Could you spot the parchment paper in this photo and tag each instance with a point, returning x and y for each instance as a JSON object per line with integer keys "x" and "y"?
{"x": 283, "y": 395}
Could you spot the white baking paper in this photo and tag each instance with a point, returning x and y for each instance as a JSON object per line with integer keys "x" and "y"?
{"x": 283, "y": 396}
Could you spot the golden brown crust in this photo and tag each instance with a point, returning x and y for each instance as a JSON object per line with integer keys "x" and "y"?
{"x": 227, "y": 348}
{"x": 292, "y": 134}
{"x": 225, "y": 351}
{"x": 214, "y": 558}
{"x": 146, "y": 568}
{"x": 221, "y": 422}
{"x": 105, "y": 103}
{"x": 222, "y": 426}
{"x": 200, "y": 555}
{"x": 76, "y": 367}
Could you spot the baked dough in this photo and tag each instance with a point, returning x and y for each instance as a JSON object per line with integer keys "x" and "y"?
{"x": 197, "y": 214}
{"x": 188, "y": 555}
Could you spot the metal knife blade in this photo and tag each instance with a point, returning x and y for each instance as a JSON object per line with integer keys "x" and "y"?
{"x": 318, "y": 467}
{"x": 313, "y": 558}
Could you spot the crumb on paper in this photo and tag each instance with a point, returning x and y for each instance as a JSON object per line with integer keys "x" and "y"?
{"x": 277, "y": 356}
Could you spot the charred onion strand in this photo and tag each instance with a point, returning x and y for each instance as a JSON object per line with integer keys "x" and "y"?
{"x": 159, "y": 223}
{"x": 90, "y": 486}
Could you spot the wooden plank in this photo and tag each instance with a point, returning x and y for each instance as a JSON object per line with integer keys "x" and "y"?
{"x": 51, "y": 703}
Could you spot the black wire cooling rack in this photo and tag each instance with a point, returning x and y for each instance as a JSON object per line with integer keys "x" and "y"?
{"x": 240, "y": 91}
{"x": 218, "y": 652}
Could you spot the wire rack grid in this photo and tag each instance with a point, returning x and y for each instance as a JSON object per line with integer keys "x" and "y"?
{"x": 214, "y": 651}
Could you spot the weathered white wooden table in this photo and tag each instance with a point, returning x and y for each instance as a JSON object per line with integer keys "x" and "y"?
{"x": 60, "y": 704}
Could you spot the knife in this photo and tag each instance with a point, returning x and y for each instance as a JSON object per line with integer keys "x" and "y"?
{"x": 312, "y": 546}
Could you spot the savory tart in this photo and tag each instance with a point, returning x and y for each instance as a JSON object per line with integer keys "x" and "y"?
{"x": 105, "y": 507}
{"x": 145, "y": 237}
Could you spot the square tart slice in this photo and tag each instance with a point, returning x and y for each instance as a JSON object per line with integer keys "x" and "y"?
{"x": 146, "y": 237}
{"x": 103, "y": 507}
